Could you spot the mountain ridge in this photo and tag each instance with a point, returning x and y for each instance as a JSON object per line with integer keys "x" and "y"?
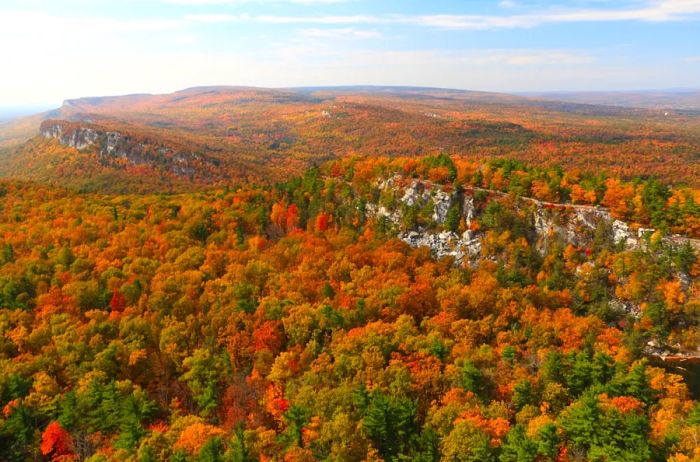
{"x": 263, "y": 133}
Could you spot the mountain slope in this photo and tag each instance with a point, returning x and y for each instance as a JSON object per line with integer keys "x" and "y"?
{"x": 266, "y": 134}
{"x": 293, "y": 324}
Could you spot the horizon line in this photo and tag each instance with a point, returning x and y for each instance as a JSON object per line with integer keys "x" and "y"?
{"x": 357, "y": 86}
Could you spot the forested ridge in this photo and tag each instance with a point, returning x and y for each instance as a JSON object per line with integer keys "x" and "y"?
{"x": 259, "y": 322}
{"x": 223, "y": 134}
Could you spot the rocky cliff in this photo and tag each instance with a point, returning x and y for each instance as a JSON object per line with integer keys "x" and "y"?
{"x": 573, "y": 224}
{"x": 122, "y": 149}
{"x": 547, "y": 223}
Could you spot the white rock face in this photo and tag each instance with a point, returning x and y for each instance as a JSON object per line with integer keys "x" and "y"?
{"x": 379, "y": 211}
{"x": 80, "y": 138}
{"x": 115, "y": 145}
{"x": 543, "y": 223}
{"x": 574, "y": 224}
{"x": 622, "y": 234}
{"x": 415, "y": 193}
{"x": 544, "y": 227}
{"x": 111, "y": 145}
{"x": 53, "y": 131}
{"x": 468, "y": 210}
{"x": 445, "y": 243}
{"x": 441, "y": 205}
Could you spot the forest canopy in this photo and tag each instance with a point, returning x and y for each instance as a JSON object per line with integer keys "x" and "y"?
{"x": 288, "y": 323}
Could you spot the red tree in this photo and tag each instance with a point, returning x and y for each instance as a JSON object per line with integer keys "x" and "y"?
{"x": 57, "y": 442}
{"x": 118, "y": 302}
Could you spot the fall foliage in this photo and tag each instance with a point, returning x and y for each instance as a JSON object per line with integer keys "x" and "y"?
{"x": 287, "y": 323}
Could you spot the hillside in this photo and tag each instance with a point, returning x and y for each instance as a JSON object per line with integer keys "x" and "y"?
{"x": 242, "y": 274}
{"x": 335, "y": 316}
{"x": 264, "y": 134}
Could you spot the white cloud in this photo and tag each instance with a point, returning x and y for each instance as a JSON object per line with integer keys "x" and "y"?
{"x": 342, "y": 33}
{"x": 184, "y": 39}
{"x": 540, "y": 57}
{"x": 91, "y": 70}
{"x": 20, "y": 23}
{"x": 652, "y": 10}
{"x": 55, "y": 57}
{"x": 94, "y": 71}
{"x": 352, "y": 19}
{"x": 213, "y": 17}
{"x": 233, "y": 2}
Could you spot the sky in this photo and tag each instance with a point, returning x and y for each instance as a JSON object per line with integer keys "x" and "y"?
{"x": 60, "y": 49}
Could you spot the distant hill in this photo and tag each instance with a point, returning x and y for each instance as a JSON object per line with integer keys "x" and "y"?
{"x": 7, "y": 113}
{"x": 682, "y": 99}
{"x": 245, "y": 133}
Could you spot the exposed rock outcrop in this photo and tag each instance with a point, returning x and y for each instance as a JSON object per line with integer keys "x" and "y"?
{"x": 379, "y": 211}
{"x": 415, "y": 194}
{"x": 445, "y": 243}
{"x": 574, "y": 224}
{"x": 119, "y": 149}
{"x": 579, "y": 225}
{"x": 441, "y": 205}
{"x": 672, "y": 353}
{"x": 75, "y": 137}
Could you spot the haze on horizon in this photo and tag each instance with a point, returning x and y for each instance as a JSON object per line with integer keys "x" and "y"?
{"x": 71, "y": 48}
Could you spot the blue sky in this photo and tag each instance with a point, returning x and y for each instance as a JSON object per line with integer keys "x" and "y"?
{"x": 59, "y": 49}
